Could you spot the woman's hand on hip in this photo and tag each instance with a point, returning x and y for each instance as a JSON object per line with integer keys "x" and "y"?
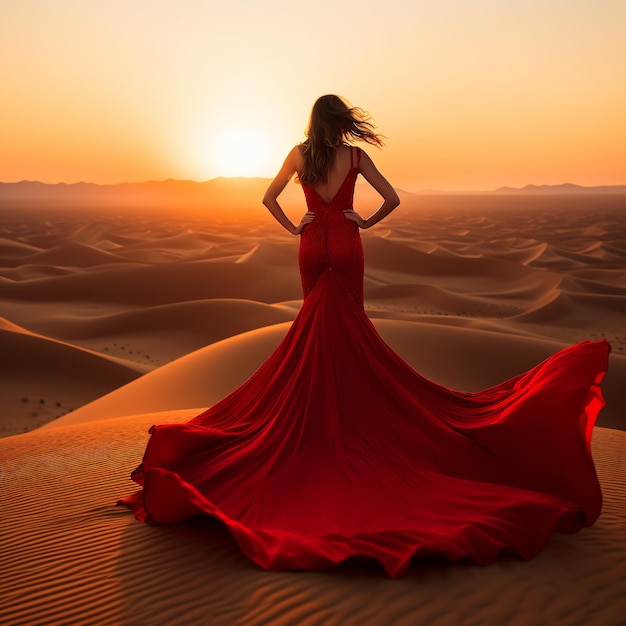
{"x": 307, "y": 218}
{"x": 353, "y": 216}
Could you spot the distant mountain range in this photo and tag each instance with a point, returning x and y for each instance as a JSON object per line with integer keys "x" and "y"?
{"x": 563, "y": 189}
{"x": 227, "y": 193}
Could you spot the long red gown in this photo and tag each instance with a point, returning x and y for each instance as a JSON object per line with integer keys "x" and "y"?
{"x": 336, "y": 447}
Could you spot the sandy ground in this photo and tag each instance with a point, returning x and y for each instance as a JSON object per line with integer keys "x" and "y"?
{"x": 71, "y": 557}
{"x": 108, "y": 317}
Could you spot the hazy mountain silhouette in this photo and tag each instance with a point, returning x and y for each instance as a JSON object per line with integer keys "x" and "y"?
{"x": 565, "y": 188}
{"x": 239, "y": 192}
{"x": 223, "y": 193}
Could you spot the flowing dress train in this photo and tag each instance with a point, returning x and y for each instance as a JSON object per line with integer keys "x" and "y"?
{"x": 336, "y": 447}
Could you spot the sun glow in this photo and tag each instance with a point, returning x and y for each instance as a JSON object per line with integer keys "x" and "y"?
{"x": 238, "y": 151}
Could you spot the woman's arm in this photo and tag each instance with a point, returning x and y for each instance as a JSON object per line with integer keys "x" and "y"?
{"x": 382, "y": 186}
{"x": 270, "y": 199}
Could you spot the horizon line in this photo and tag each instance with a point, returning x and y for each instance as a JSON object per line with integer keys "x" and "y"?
{"x": 508, "y": 188}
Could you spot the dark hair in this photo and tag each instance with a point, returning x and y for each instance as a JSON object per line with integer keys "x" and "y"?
{"x": 332, "y": 123}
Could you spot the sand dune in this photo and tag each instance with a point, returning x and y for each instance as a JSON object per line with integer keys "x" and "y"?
{"x": 43, "y": 379}
{"x": 198, "y": 379}
{"x": 382, "y": 253}
{"x": 523, "y": 254}
{"x": 144, "y": 285}
{"x": 578, "y": 284}
{"x": 201, "y": 378}
{"x": 72, "y": 359}
{"x": 32, "y": 272}
{"x": 72, "y": 254}
{"x": 437, "y": 300}
{"x": 602, "y": 276}
{"x": 10, "y": 248}
{"x": 150, "y": 288}
{"x": 209, "y": 319}
{"x": 268, "y": 253}
{"x": 575, "y": 309}
{"x": 185, "y": 242}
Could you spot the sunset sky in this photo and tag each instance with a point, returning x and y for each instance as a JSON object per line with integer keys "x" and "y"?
{"x": 471, "y": 94}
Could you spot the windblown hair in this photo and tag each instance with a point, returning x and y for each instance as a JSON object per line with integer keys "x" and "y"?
{"x": 332, "y": 123}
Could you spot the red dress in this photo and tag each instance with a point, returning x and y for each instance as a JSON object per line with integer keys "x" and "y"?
{"x": 336, "y": 447}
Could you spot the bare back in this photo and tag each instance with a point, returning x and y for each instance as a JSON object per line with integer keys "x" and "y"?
{"x": 337, "y": 173}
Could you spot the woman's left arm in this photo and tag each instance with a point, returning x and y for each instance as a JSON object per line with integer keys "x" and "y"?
{"x": 382, "y": 186}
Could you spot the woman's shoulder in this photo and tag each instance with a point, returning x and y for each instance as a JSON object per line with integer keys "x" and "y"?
{"x": 355, "y": 149}
{"x": 350, "y": 151}
{"x": 296, "y": 155}
{"x": 358, "y": 155}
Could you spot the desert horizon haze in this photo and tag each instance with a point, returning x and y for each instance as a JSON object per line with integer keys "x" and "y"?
{"x": 471, "y": 95}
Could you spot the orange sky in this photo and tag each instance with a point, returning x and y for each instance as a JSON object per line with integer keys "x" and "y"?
{"x": 472, "y": 94}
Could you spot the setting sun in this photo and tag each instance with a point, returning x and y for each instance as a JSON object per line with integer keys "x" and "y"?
{"x": 237, "y": 151}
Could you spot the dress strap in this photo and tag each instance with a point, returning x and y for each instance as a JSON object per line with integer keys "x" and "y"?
{"x": 358, "y": 151}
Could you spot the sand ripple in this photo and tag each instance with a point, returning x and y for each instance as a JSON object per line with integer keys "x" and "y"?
{"x": 70, "y": 556}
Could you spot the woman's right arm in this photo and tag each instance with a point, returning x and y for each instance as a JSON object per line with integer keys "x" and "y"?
{"x": 270, "y": 199}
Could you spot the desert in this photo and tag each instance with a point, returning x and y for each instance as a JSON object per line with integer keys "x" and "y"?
{"x": 119, "y": 314}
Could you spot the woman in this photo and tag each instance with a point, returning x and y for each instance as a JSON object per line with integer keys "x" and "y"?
{"x": 337, "y": 448}
{"x": 328, "y": 167}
